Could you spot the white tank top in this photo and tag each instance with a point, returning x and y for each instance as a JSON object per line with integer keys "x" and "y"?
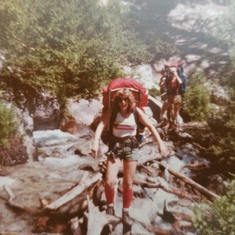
{"x": 123, "y": 127}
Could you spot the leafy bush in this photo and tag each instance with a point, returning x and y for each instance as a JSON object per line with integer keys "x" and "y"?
{"x": 222, "y": 142}
{"x": 154, "y": 92}
{"x": 222, "y": 122}
{"x": 74, "y": 46}
{"x": 219, "y": 217}
{"x": 8, "y": 125}
{"x": 196, "y": 99}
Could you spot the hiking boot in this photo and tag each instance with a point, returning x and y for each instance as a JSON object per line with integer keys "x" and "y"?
{"x": 107, "y": 229}
{"x": 127, "y": 221}
{"x": 110, "y": 210}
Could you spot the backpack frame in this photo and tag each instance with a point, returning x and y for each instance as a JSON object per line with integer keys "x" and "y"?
{"x": 139, "y": 91}
{"x": 141, "y": 98}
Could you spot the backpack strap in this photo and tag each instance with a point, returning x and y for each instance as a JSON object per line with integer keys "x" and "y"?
{"x": 111, "y": 121}
{"x": 136, "y": 115}
{"x": 140, "y": 127}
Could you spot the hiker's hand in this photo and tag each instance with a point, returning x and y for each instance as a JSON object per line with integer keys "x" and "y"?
{"x": 95, "y": 148}
{"x": 94, "y": 152}
{"x": 163, "y": 150}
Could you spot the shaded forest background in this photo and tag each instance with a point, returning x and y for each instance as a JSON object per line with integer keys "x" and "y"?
{"x": 73, "y": 47}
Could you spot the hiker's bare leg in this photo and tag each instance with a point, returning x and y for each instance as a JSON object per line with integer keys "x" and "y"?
{"x": 177, "y": 105}
{"x": 129, "y": 168}
{"x": 112, "y": 169}
{"x": 177, "y": 108}
{"x": 169, "y": 112}
{"x": 174, "y": 112}
{"x": 165, "y": 106}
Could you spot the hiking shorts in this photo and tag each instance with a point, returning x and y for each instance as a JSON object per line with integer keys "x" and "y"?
{"x": 131, "y": 156}
{"x": 124, "y": 151}
{"x": 163, "y": 97}
{"x": 174, "y": 99}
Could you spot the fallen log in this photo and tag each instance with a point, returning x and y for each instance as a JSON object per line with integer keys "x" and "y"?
{"x": 71, "y": 195}
{"x": 15, "y": 205}
{"x": 54, "y": 215}
{"x": 195, "y": 166}
{"x": 210, "y": 195}
{"x": 64, "y": 191}
{"x": 168, "y": 190}
{"x": 9, "y": 192}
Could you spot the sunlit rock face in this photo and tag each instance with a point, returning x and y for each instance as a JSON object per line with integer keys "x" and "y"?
{"x": 84, "y": 111}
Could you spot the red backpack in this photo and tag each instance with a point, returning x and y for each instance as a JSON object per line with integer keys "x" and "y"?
{"x": 139, "y": 91}
{"x": 141, "y": 98}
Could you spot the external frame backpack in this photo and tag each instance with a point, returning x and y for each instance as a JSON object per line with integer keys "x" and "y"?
{"x": 141, "y": 98}
{"x": 180, "y": 71}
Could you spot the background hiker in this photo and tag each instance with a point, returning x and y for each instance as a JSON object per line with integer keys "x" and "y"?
{"x": 174, "y": 98}
{"x": 123, "y": 147}
{"x": 174, "y": 82}
{"x": 163, "y": 94}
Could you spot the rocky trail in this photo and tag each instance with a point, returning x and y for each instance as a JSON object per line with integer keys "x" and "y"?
{"x": 60, "y": 191}
{"x": 51, "y": 195}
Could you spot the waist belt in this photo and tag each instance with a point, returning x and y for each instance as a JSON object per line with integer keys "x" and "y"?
{"x": 121, "y": 140}
{"x": 123, "y": 146}
{"x": 129, "y": 141}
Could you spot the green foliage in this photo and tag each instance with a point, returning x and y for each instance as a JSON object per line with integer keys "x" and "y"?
{"x": 218, "y": 218}
{"x": 8, "y": 125}
{"x": 222, "y": 143}
{"x": 75, "y": 45}
{"x": 154, "y": 92}
{"x": 164, "y": 49}
{"x": 227, "y": 80}
{"x": 196, "y": 99}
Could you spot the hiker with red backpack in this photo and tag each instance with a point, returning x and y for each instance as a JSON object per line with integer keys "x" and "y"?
{"x": 123, "y": 147}
{"x": 174, "y": 82}
{"x": 174, "y": 98}
{"x": 163, "y": 94}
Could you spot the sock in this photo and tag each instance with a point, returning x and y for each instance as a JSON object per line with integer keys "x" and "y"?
{"x": 109, "y": 193}
{"x": 127, "y": 198}
{"x": 125, "y": 209}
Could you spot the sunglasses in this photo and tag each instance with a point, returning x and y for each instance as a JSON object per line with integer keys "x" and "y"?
{"x": 120, "y": 100}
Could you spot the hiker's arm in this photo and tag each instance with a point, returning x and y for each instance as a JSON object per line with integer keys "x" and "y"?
{"x": 162, "y": 81}
{"x": 174, "y": 71}
{"x": 103, "y": 123}
{"x": 177, "y": 77}
{"x": 145, "y": 120}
